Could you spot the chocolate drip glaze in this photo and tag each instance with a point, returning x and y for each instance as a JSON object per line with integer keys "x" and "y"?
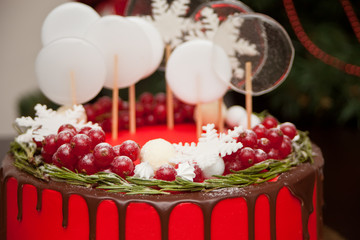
{"x": 300, "y": 181}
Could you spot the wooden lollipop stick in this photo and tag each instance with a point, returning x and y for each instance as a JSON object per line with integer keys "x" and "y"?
{"x": 115, "y": 101}
{"x": 169, "y": 96}
{"x": 220, "y": 115}
{"x": 132, "y": 109}
{"x": 248, "y": 94}
{"x": 73, "y": 87}
{"x": 199, "y": 120}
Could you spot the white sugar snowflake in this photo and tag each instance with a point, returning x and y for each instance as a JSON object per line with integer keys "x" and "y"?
{"x": 211, "y": 145}
{"x": 170, "y": 20}
{"x": 48, "y": 121}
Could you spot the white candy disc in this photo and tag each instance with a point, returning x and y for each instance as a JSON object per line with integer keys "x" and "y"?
{"x": 68, "y": 20}
{"x": 156, "y": 42}
{"x": 115, "y": 35}
{"x": 55, "y": 64}
{"x": 190, "y": 73}
{"x": 237, "y": 116}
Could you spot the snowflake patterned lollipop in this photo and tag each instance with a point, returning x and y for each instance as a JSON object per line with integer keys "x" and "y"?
{"x": 70, "y": 71}
{"x": 261, "y": 41}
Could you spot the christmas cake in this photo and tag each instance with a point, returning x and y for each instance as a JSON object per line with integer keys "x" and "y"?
{"x": 65, "y": 178}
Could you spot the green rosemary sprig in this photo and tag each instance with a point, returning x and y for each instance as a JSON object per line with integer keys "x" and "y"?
{"x": 25, "y": 159}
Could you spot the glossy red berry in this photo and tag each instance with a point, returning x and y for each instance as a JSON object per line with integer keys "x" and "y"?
{"x": 124, "y": 120}
{"x": 285, "y": 148}
{"x": 85, "y": 130}
{"x": 96, "y": 135}
{"x": 86, "y": 164}
{"x": 166, "y": 172}
{"x": 246, "y": 156}
{"x": 275, "y": 136}
{"x": 260, "y": 131}
{"x": 81, "y": 144}
{"x": 47, "y": 157}
{"x": 105, "y": 103}
{"x": 90, "y": 113}
{"x": 260, "y": 155}
{"x": 67, "y": 127}
{"x": 188, "y": 112}
{"x": 232, "y": 166}
{"x": 122, "y": 166}
{"x": 270, "y": 122}
{"x": 288, "y": 129}
{"x": 130, "y": 149}
{"x": 160, "y": 98}
{"x": 146, "y": 98}
{"x": 64, "y": 136}
{"x": 274, "y": 154}
{"x": 65, "y": 157}
{"x": 104, "y": 155}
{"x": 199, "y": 174}
{"x": 263, "y": 144}
{"x": 150, "y": 120}
{"x": 230, "y": 157}
{"x": 247, "y": 138}
{"x": 49, "y": 144}
{"x": 160, "y": 113}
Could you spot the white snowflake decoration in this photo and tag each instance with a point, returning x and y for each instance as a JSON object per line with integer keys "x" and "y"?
{"x": 48, "y": 121}
{"x": 170, "y": 20}
{"x": 211, "y": 145}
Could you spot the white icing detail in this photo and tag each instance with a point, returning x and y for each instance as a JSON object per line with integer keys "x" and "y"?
{"x": 209, "y": 150}
{"x": 186, "y": 171}
{"x": 48, "y": 121}
{"x": 144, "y": 170}
{"x": 157, "y": 152}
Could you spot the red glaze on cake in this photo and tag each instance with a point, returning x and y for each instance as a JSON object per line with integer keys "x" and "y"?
{"x": 288, "y": 208}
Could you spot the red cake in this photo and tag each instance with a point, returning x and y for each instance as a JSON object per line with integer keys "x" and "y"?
{"x": 287, "y": 207}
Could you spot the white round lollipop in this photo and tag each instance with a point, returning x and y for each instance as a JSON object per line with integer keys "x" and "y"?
{"x": 115, "y": 35}
{"x": 190, "y": 73}
{"x": 69, "y": 68}
{"x": 68, "y": 20}
{"x": 156, "y": 42}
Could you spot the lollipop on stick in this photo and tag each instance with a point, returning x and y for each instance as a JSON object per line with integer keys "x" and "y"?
{"x": 115, "y": 35}
{"x": 191, "y": 77}
{"x": 248, "y": 85}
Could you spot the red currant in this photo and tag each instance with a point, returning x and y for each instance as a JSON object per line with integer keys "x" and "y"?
{"x": 106, "y": 124}
{"x": 46, "y": 156}
{"x": 86, "y": 164}
{"x": 105, "y": 103}
{"x": 67, "y": 127}
{"x": 264, "y": 144}
{"x": 260, "y": 155}
{"x": 122, "y": 166}
{"x": 232, "y": 166}
{"x": 285, "y": 148}
{"x": 160, "y": 113}
{"x": 288, "y": 129}
{"x": 65, "y": 157}
{"x": 270, "y": 122}
{"x": 199, "y": 175}
{"x": 81, "y": 144}
{"x": 90, "y": 113}
{"x": 150, "y": 119}
{"x": 85, "y": 130}
{"x": 166, "y": 172}
{"x": 130, "y": 149}
{"x": 96, "y": 135}
{"x": 64, "y": 137}
{"x": 274, "y": 154}
{"x": 246, "y": 156}
{"x": 49, "y": 144}
{"x": 104, "y": 155}
{"x": 247, "y": 138}
{"x": 275, "y": 136}
{"x": 148, "y": 108}
{"x": 160, "y": 98}
{"x": 146, "y": 98}
{"x": 139, "y": 110}
{"x": 260, "y": 131}
{"x": 230, "y": 157}
{"x": 124, "y": 120}
{"x": 188, "y": 112}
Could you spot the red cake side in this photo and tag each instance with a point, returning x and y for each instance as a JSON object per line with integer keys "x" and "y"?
{"x": 288, "y": 208}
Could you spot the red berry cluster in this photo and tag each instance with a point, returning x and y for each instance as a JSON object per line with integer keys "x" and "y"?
{"x": 268, "y": 140}
{"x": 150, "y": 110}
{"x": 85, "y": 151}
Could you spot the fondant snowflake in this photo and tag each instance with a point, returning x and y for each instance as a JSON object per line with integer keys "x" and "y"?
{"x": 211, "y": 145}
{"x": 170, "y": 20}
{"x": 48, "y": 121}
